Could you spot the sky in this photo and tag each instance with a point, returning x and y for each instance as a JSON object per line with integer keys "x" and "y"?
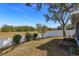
{"x": 19, "y": 14}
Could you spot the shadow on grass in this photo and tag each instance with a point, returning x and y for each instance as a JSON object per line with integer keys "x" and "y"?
{"x": 10, "y": 49}
{"x": 53, "y": 48}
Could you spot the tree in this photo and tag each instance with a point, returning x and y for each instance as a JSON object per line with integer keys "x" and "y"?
{"x": 38, "y": 27}
{"x": 68, "y": 27}
{"x": 17, "y": 28}
{"x": 58, "y": 12}
{"x": 6, "y": 28}
{"x": 59, "y": 27}
{"x": 41, "y": 28}
{"x": 24, "y": 28}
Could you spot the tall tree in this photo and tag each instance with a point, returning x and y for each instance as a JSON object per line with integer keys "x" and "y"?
{"x": 41, "y": 28}
{"x": 58, "y": 12}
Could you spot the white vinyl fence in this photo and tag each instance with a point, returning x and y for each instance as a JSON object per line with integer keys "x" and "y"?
{"x": 5, "y": 42}
{"x": 9, "y": 41}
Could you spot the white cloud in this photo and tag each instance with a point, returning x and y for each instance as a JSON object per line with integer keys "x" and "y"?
{"x": 17, "y": 9}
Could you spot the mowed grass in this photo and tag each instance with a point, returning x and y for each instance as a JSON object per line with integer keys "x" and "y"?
{"x": 11, "y": 34}
{"x": 42, "y": 47}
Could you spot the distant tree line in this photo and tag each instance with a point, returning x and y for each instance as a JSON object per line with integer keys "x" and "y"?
{"x": 68, "y": 27}
{"x": 10, "y": 28}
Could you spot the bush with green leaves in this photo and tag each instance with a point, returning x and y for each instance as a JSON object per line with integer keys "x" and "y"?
{"x": 34, "y": 36}
{"x": 16, "y": 39}
{"x": 28, "y": 36}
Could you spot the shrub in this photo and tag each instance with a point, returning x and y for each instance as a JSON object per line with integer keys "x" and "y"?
{"x": 74, "y": 43}
{"x": 16, "y": 38}
{"x": 76, "y": 50}
{"x": 28, "y": 36}
{"x": 35, "y": 36}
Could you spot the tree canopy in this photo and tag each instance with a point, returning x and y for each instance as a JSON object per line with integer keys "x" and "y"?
{"x": 57, "y": 12}
{"x": 10, "y": 28}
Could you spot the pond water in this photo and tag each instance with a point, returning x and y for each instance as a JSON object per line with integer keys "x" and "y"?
{"x": 59, "y": 33}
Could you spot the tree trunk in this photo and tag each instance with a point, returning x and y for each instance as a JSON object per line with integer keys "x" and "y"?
{"x": 64, "y": 31}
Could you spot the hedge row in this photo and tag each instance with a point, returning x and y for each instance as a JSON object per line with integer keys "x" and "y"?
{"x": 28, "y": 37}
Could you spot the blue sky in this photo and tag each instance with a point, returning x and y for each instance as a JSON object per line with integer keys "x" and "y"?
{"x": 19, "y": 14}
